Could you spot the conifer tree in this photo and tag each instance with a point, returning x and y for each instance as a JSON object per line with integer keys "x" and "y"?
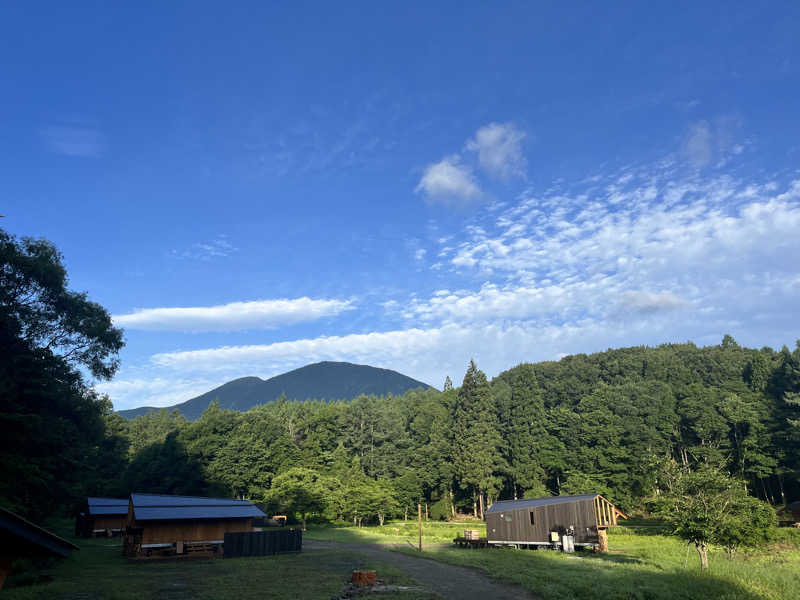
{"x": 522, "y": 423}
{"x": 476, "y": 447}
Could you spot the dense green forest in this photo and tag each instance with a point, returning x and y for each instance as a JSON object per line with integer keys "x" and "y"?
{"x": 605, "y": 422}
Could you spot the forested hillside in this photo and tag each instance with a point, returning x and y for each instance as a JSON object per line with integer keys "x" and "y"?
{"x": 321, "y": 381}
{"x": 603, "y": 422}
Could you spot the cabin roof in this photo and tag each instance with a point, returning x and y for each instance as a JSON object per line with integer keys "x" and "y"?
{"x": 155, "y": 507}
{"x": 32, "y": 536}
{"x": 107, "y": 506}
{"x": 794, "y": 505}
{"x": 504, "y": 505}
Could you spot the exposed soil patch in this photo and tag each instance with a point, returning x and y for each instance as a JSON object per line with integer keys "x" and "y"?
{"x": 448, "y": 581}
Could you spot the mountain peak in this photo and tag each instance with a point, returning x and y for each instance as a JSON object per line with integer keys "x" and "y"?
{"x": 325, "y": 380}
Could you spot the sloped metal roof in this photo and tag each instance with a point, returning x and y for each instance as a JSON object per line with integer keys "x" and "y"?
{"x": 504, "y": 505}
{"x": 108, "y": 506}
{"x": 29, "y": 539}
{"x": 154, "y": 507}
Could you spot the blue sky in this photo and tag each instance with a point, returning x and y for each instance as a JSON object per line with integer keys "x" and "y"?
{"x": 252, "y": 188}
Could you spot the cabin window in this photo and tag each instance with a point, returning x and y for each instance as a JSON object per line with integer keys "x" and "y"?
{"x": 531, "y": 516}
{"x": 508, "y": 518}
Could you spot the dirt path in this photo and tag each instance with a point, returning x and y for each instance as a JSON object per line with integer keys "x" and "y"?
{"x": 449, "y": 581}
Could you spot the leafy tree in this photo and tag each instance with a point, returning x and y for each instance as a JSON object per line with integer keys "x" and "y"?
{"x": 448, "y": 384}
{"x": 52, "y": 422}
{"x": 299, "y": 491}
{"x": 707, "y": 507}
{"x": 37, "y": 307}
{"x": 750, "y": 523}
{"x": 166, "y": 468}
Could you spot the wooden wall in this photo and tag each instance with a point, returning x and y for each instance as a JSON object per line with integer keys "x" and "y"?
{"x": 110, "y": 522}
{"x": 190, "y": 530}
{"x": 515, "y": 525}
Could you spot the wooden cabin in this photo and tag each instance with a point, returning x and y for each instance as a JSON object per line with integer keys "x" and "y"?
{"x": 167, "y": 525}
{"x": 102, "y": 516}
{"x": 542, "y": 521}
{"x": 19, "y": 538}
{"x": 793, "y": 510}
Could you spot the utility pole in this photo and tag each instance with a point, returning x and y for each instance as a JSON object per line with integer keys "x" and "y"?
{"x": 419, "y": 523}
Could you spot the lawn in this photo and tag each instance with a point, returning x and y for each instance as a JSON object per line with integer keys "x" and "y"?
{"x": 99, "y": 571}
{"x": 396, "y": 533}
{"x": 642, "y": 565}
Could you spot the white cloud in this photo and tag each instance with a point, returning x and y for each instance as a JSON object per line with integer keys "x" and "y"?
{"x": 83, "y": 142}
{"x": 499, "y": 148}
{"x": 216, "y": 248}
{"x": 714, "y": 141}
{"x": 641, "y": 256}
{"x": 650, "y": 301}
{"x": 157, "y": 391}
{"x": 236, "y": 316}
{"x": 448, "y": 180}
{"x": 698, "y": 145}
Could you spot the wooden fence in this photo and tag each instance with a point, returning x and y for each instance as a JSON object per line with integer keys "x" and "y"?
{"x": 263, "y": 543}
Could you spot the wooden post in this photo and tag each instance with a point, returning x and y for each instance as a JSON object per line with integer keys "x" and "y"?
{"x": 602, "y": 535}
{"x": 5, "y": 567}
{"x": 419, "y": 524}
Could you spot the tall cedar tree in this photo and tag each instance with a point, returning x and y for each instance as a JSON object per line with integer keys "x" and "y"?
{"x": 522, "y": 423}
{"x": 476, "y": 447}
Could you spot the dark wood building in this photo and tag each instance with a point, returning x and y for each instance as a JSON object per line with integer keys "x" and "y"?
{"x": 166, "y": 525}
{"x": 19, "y": 538}
{"x": 542, "y": 521}
{"x": 102, "y": 516}
{"x": 793, "y": 511}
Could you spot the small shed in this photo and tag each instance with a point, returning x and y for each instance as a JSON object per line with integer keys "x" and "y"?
{"x": 102, "y": 516}
{"x": 541, "y": 521}
{"x": 19, "y": 538}
{"x": 794, "y": 510}
{"x": 166, "y": 525}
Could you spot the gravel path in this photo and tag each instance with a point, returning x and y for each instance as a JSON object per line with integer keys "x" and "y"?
{"x": 449, "y": 581}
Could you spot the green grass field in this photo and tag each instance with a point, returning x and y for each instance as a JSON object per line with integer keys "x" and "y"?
{"x": 99, "y": 571}
{"x": 643, "y": 564}
{"x": 396, "y": 532}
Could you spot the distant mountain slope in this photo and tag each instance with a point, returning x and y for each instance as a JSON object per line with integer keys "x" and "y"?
{"x": 321, "y": 381}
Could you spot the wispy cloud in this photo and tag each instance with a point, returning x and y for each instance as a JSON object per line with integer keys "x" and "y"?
{"x": 499, "y": 149}
{"x": 643, "y": 255}
{"x": 236, "y": 316}
{"x": 448, "y": 180}
{"x": 216, "y": 248}
{"x": 73, "y": 141}
{"x": 650, "y": 301}
{"x": 708, "y": 142}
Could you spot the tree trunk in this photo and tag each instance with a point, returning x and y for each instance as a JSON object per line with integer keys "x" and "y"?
{"x": 480, "y": 501}
{"x": 474, "y": 508}
{"x": 780, "y": 486}
{"x": 702, "y": 550}
{"x": 405, "y": 514}
{"x": 426, "y": 511}
{"x": 304, "y": 523}
{"x": 380, "y": 518}
{"x": 602, "y": 539}
{"x": 452, "y": 504}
